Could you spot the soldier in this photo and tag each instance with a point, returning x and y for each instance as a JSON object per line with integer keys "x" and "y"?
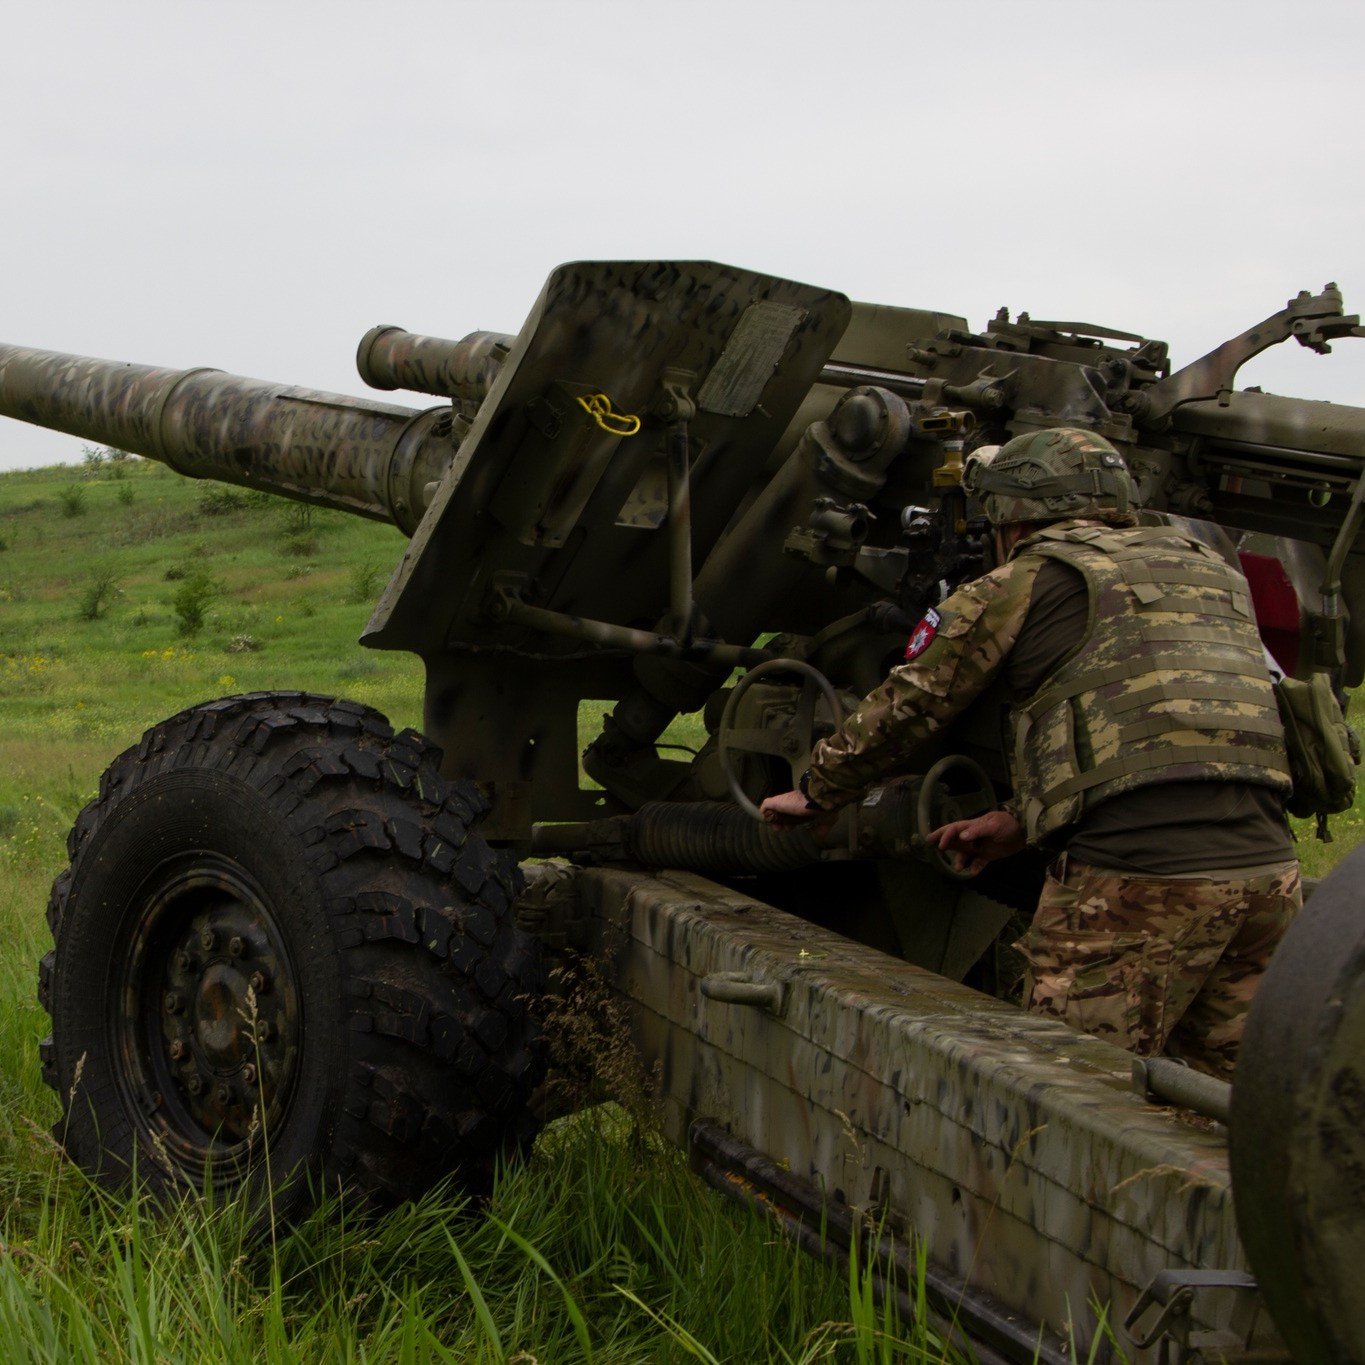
{"x": 1146, "y": 751}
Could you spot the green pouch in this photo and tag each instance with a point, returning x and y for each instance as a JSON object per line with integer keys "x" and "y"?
{"x": 1323, "y": 750}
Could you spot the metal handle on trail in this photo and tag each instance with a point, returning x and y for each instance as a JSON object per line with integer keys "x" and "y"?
{"x": 738, "y": 988}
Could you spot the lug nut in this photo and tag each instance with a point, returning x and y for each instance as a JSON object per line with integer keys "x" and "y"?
{"x": 249, "y": 1074}
{"x": 194, "y": 1085}
{"x": 184, "y": 962}
{"x": 177, "y": 1050}
{"x": 236, "y": 946}
{"x": 264, "y": 1030}
{"x": 259, "y": 983}
{"x": 224, "y": 1094}
{"x": 208, "y": 940}
{"x": 175, "y": 1002}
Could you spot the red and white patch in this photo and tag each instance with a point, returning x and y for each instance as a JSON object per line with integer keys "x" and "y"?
{"x": 923, "y": 635}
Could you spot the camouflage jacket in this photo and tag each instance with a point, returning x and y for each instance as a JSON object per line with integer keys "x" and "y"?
{"x": 1169, "y": 683}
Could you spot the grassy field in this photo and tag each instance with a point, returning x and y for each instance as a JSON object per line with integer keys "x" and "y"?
{"x": 127, "y": 593}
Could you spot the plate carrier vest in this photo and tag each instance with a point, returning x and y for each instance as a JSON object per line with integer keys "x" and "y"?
{"x": 1169, "y": 683}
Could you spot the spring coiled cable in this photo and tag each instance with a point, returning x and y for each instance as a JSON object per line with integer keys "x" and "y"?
{"x": 714, "y": 836}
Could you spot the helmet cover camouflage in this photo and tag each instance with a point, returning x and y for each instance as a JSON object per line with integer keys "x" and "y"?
{"x": 1052, "y": 475}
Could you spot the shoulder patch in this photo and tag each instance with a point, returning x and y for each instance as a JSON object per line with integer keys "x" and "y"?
{"x": 923, "y": 635}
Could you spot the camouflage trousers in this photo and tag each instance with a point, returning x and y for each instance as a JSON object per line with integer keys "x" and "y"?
{"x": 1157, "y": 964}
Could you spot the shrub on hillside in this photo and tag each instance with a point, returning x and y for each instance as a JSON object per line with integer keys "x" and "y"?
{"x": 191, "y": 599}
{"x": 218, "y": 502}
{"x": 108, "y": 461}
{"x": 72, "y": 500}
{"x": 300, "y": 530}
{"x": 365, "y": 581}
{"x": 298, "y": 518}
{"x": 125, "y": 494}
{"x": 97, "y": 595}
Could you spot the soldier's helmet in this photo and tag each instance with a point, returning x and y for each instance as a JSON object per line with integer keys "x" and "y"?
{"x": 1051, "y": 476}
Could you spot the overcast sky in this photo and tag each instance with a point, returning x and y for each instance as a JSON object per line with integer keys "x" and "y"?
{"x": 251, "y": 186}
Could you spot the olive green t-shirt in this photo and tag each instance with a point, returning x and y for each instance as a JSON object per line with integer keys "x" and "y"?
{"x": 1164, "y": 828}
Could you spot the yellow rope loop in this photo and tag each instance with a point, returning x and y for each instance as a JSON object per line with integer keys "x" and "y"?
{"x": 598, "y": 407}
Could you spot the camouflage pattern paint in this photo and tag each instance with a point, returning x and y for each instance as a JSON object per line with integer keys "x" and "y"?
{"x": 357, "y": 455}
{"x": 391, "y": 358}
{"x": 1012, "y": 1146}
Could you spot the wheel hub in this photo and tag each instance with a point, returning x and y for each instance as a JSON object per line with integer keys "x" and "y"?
{"x": 218, "y": 1012}
{"x": 210, "y": 1017}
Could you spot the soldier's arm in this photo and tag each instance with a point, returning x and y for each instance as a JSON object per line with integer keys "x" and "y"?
{"x": 976, "y": 629}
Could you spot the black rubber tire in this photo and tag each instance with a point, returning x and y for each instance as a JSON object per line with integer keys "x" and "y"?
{"x": 1297, "y": 1126}
{"x": 379, "y": 928}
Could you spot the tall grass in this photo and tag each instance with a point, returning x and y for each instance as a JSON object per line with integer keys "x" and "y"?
{"x": 593, "y": 1250}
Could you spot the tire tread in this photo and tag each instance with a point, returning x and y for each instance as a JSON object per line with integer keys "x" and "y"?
{"x": 441, "y": 1039}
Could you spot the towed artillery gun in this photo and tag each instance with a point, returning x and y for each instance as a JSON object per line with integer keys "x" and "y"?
{"x": 279, "y": 915}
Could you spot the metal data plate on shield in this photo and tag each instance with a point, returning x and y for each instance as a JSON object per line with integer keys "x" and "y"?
{"x": 545, "y": 491}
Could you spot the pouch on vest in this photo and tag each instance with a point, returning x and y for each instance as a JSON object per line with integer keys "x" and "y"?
{"x": 1323, "y": 750}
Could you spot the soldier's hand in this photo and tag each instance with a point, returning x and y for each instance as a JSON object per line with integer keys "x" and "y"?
{"x": 790, "y": 809}
{"x": 974, "y": 843}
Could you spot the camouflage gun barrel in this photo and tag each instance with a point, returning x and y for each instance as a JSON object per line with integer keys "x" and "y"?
{"x": 373, "y": 459}
{"x": 391, "y": 358}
